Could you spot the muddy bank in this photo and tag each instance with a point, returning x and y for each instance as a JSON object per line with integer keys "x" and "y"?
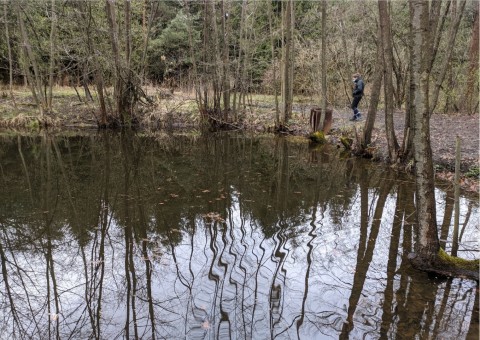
{"x": 180, "y": 111}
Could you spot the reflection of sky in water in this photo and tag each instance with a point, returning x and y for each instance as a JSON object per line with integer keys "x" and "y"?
{"x": 233, "y": 275}
{"x": 228, "y": 280}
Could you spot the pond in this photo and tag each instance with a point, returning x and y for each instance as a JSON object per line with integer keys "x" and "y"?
{"x": 155, "y": 236}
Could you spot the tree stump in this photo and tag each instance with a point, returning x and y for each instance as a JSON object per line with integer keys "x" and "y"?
{"x": 315, "y": 118}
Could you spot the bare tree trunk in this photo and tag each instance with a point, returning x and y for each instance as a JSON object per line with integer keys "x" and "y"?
{"x": 124, "y": 88}
{"x": 127, "y": 34}
{"x": 101, "y": 99}
{"x": 324, "y": 68}
{"x": 9, "y": 49}
{"x": 51, "y": 70}
{"x": 225, "y": 62}
{"x": 214, "y": 59}
{"x": 86, "y": 16}
{"x": 375, "y": 95}
{"x": 388, "y": 81}
{"x": 467, "y": 103}
{"x": 274, "y": 63}
{"x": 427, "y": 244}
{"x": 435, "y": 30}
{"x": 443, "y": 68}
{"x": 456, "y": 220}
{"x": 146, "y": 29}
{"x": 210, "y": 83}
{"x": 128, "y": 86}
{"x": 287, "y": 62}
{"x": 407, "y": 144}
{"x": 112, "y": 22}
{"x": 196, "y": 80}
{"x": 29, "y": 59}
{"x": 242, "y": 53}
{"x": 399, "y": 69}
{"x": 427, "y": 255}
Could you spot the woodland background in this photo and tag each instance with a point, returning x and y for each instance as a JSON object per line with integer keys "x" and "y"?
{"x": 123, "y": 57}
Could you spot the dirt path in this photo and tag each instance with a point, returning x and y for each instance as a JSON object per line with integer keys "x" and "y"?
{"x": 443, "y": 132}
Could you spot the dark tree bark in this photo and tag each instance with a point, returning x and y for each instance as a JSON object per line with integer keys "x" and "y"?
{"x": 9, "y": 50}
{"x": 427, "y": 243}
{"x": 427, "y": 255}
{"x": 225, "y": 62}
{"x": 125, "y": 91}
{"x": 388, "y": 81}
{"x": 287, "y": 64}
{"x": 448, "y": 55}
{"x": 274, "y": 63}
{"x": 324, "y": 67}
{"x": 34, "y": 80}
{"x": 375, "y": 95}
{"x": 51, "y": 70}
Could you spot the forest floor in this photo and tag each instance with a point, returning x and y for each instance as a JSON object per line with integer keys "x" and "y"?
{"x": 443, "y": 132}
{"x": 180, "y": 109}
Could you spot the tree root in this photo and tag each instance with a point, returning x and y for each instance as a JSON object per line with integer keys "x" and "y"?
{"x": 446, "y": 265}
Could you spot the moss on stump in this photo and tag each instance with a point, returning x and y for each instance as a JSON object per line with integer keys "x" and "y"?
{"x": 318, "y": 137}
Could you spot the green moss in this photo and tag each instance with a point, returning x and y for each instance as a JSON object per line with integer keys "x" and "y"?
{"x": 458, "y": 262}
{"x": 34, "y": 124}
{"x": 318, "y": 137}
{"x": 473, "y": 171}
{"x": 296, "y": 139}
{"x": 347, "y": 142}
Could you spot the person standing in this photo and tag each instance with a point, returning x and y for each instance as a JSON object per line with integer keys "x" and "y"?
{"x": 357, "y": 93}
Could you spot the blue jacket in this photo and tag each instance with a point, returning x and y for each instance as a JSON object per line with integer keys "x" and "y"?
{"x": 358, "y": 88}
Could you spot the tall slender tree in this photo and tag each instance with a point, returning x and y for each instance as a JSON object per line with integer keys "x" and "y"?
{"x": 469, "y": 101}
{"x": 30, "y": 64}
{"x": 51, "y": 70}
{"x": 375, "y": 93}
{"x": 427, "y": 245}
{"x": 287, "y": 63}
{"x": 126, "y": 92}
{"x": 324, "y": 67}
{"x": 9, "y": 50}
{"x": 388, "y": 80}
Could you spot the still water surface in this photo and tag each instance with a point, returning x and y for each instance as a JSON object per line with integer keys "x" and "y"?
{"x": 111, "y": 236}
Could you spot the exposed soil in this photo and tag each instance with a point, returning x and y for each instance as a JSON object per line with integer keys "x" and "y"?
{"x": 443, "y": 131}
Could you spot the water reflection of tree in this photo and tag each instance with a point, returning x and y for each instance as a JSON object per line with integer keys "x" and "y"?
{"x": 399, "y": 219}
{"x": 366, "y": 245}
{"x": 129, "y": 207}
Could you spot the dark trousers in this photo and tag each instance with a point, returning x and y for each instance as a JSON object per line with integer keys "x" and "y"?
{"x": 356, "y": 100}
